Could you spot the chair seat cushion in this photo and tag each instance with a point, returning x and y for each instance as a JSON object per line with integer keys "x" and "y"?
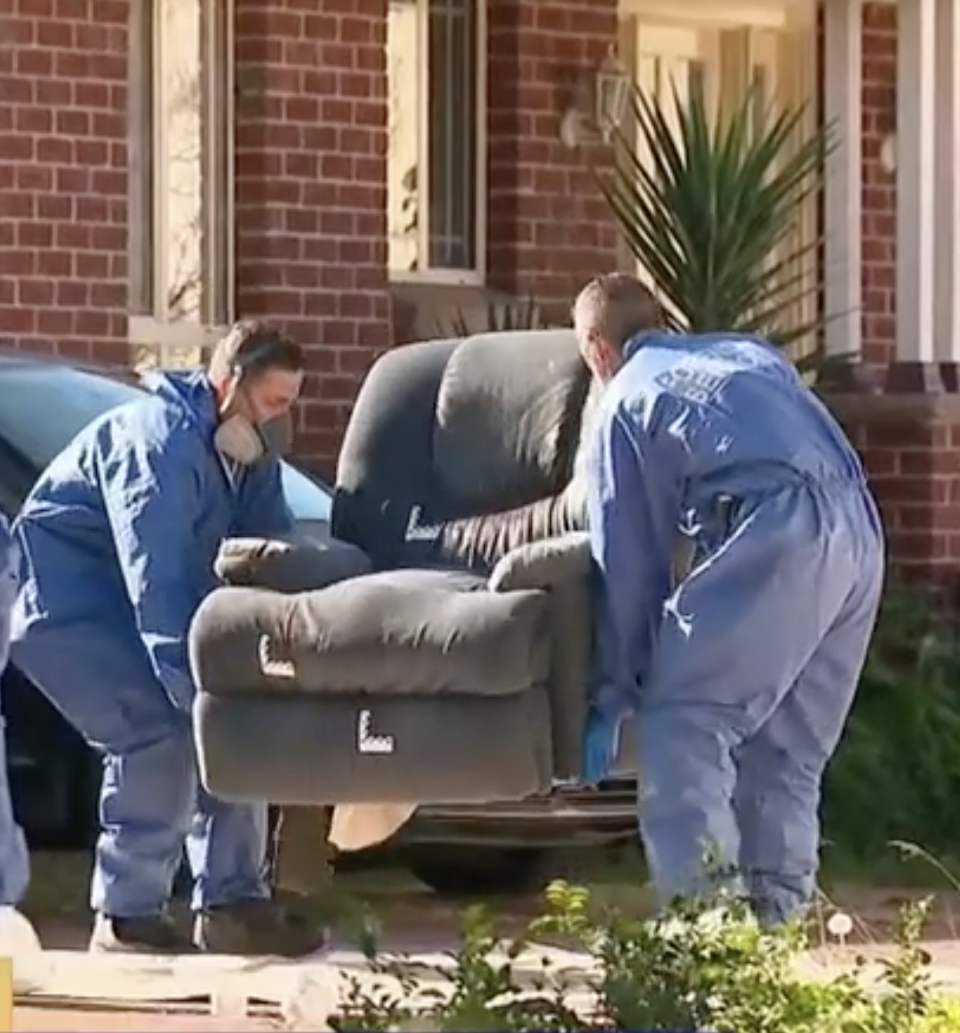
{"x": 375, "y": 748}
{"x": 415, "y": 686}
{"x": 415, "y": 631}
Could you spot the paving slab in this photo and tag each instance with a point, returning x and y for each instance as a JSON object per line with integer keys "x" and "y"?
{"x": 99, "y": 1020}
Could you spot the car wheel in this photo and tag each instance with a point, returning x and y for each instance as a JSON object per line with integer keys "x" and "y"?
{"x": 478, "y": 871}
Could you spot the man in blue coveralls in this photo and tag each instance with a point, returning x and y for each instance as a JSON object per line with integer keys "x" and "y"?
{"x": 741, "y": 676}
{"x": 117, "y": 543}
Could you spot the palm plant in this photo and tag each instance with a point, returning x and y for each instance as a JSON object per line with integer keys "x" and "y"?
{"x": 710, "y": 207}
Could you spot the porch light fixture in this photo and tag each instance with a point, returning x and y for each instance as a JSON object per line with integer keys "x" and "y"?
{"x": 597, "y": 104}
{"x": 888, "y": 153}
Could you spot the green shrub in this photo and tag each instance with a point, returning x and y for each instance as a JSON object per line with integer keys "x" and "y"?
{"x": 705, "y": 966}
{"x": 897, "y": 772}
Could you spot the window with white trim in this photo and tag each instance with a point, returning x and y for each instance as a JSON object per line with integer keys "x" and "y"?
{"x": 181, "y": 220}
{"x": 436, "y": 156}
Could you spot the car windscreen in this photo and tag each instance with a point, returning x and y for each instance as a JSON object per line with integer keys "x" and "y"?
{"x": 42, "y": 408}
{"x": 307, "y": 499}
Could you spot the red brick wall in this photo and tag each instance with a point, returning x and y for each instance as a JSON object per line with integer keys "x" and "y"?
{"x": 63, "y": 176}
{"x": 311, "y": 192}
{"x": 910, "y": 443}
{"x": 879, "y": 189}
{"x": 912, "y": 447}
{"x": 549, "y": 228}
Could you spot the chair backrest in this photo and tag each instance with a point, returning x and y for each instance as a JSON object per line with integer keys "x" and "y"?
{"x": 460, "y": 428}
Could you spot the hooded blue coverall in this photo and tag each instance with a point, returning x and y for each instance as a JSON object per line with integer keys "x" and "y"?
{"x": 14, "y": 862}
{"x": 117, "y": 541}
{"x": 742, "y": 677}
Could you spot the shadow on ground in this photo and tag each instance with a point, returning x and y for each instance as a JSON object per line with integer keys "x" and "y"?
{"x": 416, "y": 918}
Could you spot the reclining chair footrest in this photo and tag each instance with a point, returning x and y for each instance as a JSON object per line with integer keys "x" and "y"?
{"x": 353, "y": 748}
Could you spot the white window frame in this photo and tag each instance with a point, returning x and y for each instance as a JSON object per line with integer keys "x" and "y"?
{"x": 454, "y": 277}
{"x": 148, "y": 324}
{"x": 733, "y": 14}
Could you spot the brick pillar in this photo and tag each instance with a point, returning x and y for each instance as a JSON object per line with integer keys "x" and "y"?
{"x": 909, "y": 434}
{"x": 311, "y": 193}
{"x": 879, "y": 185}
{"x": 911, "y": 446}
{"x": 63, "y": 177}
{"x": 549, "y": 227}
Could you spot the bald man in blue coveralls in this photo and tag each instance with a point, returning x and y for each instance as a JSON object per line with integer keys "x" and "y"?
{"x": 741, "y": 677}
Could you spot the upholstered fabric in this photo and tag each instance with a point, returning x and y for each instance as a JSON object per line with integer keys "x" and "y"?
{"x": 363, "y": 691}
{"x": 480, "y": 438}
{"x": 471, "y": 455}
{"x": 398, "y": 633}
{"x": 288, "y": 566}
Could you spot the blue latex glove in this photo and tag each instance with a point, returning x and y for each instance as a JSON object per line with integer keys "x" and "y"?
{"x": 601, "y": 741}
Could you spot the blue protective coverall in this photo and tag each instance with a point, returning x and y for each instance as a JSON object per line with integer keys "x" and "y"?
{"x": 117, "y": 541}
{"x": 742, "y": 676}
{"x": 14, "y": 863}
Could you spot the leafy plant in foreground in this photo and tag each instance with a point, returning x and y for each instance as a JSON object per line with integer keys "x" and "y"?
{"x": 896, "y": 775}
{"x": 701, "y": 966}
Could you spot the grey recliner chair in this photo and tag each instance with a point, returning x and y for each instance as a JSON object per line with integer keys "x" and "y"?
{"x": 440, "y": 651}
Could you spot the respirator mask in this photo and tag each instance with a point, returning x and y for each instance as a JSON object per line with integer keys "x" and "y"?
{"x": 240, "y": 437}
{"x": 244, "y": 441}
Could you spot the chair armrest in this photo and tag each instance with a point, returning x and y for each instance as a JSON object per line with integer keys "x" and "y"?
{"x": 543, "y": 564}
{"x": 287, "y": 564}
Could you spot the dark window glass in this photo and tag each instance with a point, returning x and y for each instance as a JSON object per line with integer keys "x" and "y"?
{"x": 452, "y": 132}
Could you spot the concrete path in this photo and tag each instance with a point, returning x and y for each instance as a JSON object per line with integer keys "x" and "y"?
{"x": 70, "y": 1020}
{"x": 416, "y": 922}
{"x": 303, "y": 993}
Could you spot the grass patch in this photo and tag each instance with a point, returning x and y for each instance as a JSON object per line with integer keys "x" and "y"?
{"x": 59, "y": 886}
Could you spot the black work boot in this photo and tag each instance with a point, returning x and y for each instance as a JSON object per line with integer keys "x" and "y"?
{"x": 258, "y": 927}
{"x": 151, "y": 934}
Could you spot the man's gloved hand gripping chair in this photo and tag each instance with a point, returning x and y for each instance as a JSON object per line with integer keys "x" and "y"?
{"x": 438, "y": 650}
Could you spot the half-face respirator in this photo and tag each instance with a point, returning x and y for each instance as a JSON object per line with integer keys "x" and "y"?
{"x": 239, "y": 437}
{"x": 244, "y": 441}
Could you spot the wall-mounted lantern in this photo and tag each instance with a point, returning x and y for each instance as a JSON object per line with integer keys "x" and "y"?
{"x": 888, "y": 154}
{"x": 597, "y": 104}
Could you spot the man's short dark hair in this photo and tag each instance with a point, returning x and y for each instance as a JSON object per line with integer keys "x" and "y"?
{"x": 251, "y": 347}
{"x": 618, "y": 306}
